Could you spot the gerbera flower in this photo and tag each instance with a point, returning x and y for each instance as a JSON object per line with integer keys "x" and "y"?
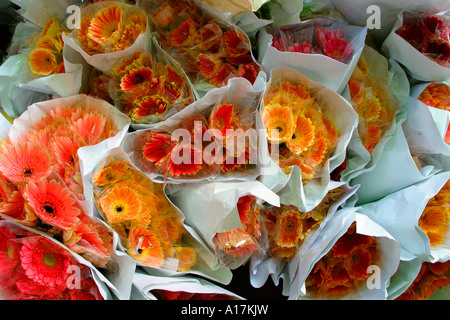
{"x": 145, "y": 247}
{"x": 187, "y": 257}
{"x": 52, "y": 29}
{"x": 129, "y": 35}
{"x": 208, "y": 36}
{"x": 52, "y": 203}
{"x": 279, "y": 122}
{"x": 248, "y": 71}
{"x": 9, "y": 251}
{"x": 65, "y": 150}
{"x": 300, "y": 47}
{"x": 303, "y": 135}
{"x": 208, "y": 65}
{"x": 433, "y": 222}
{"x": 236, "y": 43}
{"x": 121, "y": 204}
{"x": 24, "y": 162}
{"x": 185, "y": 160}
{"x": 184, "y": 35}
{"x": 43, "y": 62}
{"x": 44, "y": 263}
{"x": 220, "y": 118}
{"x": 235, "y": 242}
{"x": 333, "y": 45}
{"x": 114, "y": 171}
{"x": 158, "y": 147}
{"x": 90, "y": 127}
{"x": 137, "y": 79}
{"x": 150, "y": 105}
{"x": 221, "y": 76}
{"x": 288, "y": 229}
{"x": 106, "y": 26}
{"x": 350, "y": 241}
{"x": 163, "y": 15}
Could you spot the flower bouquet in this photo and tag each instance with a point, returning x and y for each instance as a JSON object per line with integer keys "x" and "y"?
{"x": 352, "y": 258}
{"x": 308, "y": 127}
{"x": 427, "y": 125}
{"x": 179, "y": 288}
{"x": 36, "y": 62}
{"x": 109, "y": 31}
{"x": 287, "y": 230}
{"x": 209, "y": 46}
{"x": 325, "y": 50}
{"x": 33, "y": 267}
{"x": 150, "y": 227}
{"x": 214, "y": 138}
{"x": 420, "y": 42}
{"x": 149, "y": 87}
{"x": 377, "y": 95}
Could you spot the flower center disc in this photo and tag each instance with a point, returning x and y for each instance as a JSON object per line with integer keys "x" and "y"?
{"x": 49, "y": 259}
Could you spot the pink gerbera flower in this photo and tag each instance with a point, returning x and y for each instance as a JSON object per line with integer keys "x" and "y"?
{"x": 24, "y": 162}
{"x": 53, "y": 203}
{"x": 44, "y": 263}
{"x": 334, "y": 46}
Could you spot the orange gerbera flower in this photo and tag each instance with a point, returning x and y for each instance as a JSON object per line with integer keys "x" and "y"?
{"x": 145, "y": 247}
{"x": 224, "y": 72}
{"x": 90, "y": 127}
{"x": 236, "y": 43}
{"x": 129, "y": 35}
{"x": 433, "y": 222}
{"x": 184, "y": 35}
{"x": 65, "y": 150}
{"x": 436, "y": 95}
{"x": 236, "y": 242}
{"x": 113, "y": 172}
{"x": 106, "y": 26}
{"x": 52, "y": 28}
{"x": 53, "y": 203}
{"x": 43, "y": 62}
{"x": 208, "y": 36}
{"x": 279, "y": 122}
{"x": 288, "y": 229}
{"x": 350, "y": 241}
{"x": 303, "y": 135}
{"x": 164, "y": 15}
{"x": 158, "y": 147}
{"x": 24, "y": 162}
{"x": 121, "y": 204}
{"x": 150, "y": 105}
{"x": 187, "y": 257}
{"x": 137, "y": 79}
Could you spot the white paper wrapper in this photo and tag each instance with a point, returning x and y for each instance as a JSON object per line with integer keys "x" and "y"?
{"x": 145, "y": 285}
{"x": 238, "y": 92}
{"x": 395, "y": 170}
{"x": 105, "y": 61}
{"x": 345, "y": 119}
{"x": 211, "y": 208}
{"x": 407, "y": 271}
{"x": 206, "y": 265}
{"x": 263, "y": 265}
{"x": 399, "y": 214}
{"x": 426, "y": 127}
{"x": 417, "y": 64}
{"x": 329, "y": 72}
{"x": 388, "y": 247}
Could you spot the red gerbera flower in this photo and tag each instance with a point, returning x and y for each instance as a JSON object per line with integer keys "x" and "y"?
{"x": 184, "y": 35}
{"x": 137, "y": 79}
{"x": 225, "y": 72}
{"x": 150, "y": 105}
{"x": 248, "y": 71}
{"x": 52, "y": 203}
{"x": 185, "y": 160}
{"x": 158, "y": 147}
{"x": 44, "y": 263}
{"x": 220, "y": 118}
{"x": 236, "y": 43}
{"x": 9, "y": 251}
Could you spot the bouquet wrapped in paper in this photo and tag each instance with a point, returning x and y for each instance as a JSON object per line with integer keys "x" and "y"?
{"x": 33, "y": 267}
{"x": 377, "y": 95}
{"x": 308, "y": 128}
{"x": 207, "y": 44}
{"x": 287, "y": 230}
{"x": 41, "y": 178}
{"x": 149, "y": 87}
{"x": 150, "y": 227}
{"x": 325, "y": 50}
{"x": 421, "y": 42}
{"x": 423, "y": 211}
{"x": 216, "y": 137}
{"x": 352, "y": 258}
{"x": 36, "y": 61}
{"x": 109, "y": 31}
{"x": 227, "y": 215}
{"x": 427, "y": 125}
{"x": 179, "y": 288}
